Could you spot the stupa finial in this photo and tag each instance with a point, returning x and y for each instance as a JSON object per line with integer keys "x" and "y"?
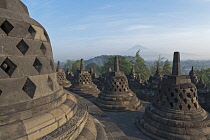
{"x": 91, "y": 70}
{"x": 176, "y": 64}
{"x": 82, "y": 64}
{"x": 116, "y": 64}
{"x": 58, "y": 66}
{"x": 133, "y": 70}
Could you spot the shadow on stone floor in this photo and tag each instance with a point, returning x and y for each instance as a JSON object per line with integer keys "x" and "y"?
{"x": 127, "y": 122}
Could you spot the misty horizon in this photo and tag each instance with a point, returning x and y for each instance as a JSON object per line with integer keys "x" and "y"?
{"x": 85, "y": 29}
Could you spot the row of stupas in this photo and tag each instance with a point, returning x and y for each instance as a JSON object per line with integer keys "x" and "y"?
{"x": 175, "y": 112}
{"x": 116, "y": 95}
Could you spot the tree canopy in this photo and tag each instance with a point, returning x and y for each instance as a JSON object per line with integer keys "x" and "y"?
{"x": 124, "y": 65}
{"x": 140, "y": 66}
{"x": 167, "y": 69}
{"x": 95, "y": 67}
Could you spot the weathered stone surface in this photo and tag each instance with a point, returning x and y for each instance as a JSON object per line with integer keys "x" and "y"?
{"x": 116, "y": 95}
{"x": 61, "y": 75}
{"x": 149, "y": 89}
{"x": 134, "y": 81}
{"x": 32, "y": 103}
{"x": 82, "y": 84}
{"x": 175, "y": 113}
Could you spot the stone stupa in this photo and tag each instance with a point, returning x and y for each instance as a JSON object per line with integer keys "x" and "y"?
{"x": 134, "y": 81}
{"x": 61, "y": 77}
{"x": 116, "y": 95}
{"x": 33, "y": 106}
{"x": 176, "y": 113}
{"x": 193, "y": 77}
{"x": 201, "y": 87}
{"x": 83, "y": 85}
{"x": 149, "y": 89}
{"x": 93, "y": 74}
{"x": 69, "y": 75}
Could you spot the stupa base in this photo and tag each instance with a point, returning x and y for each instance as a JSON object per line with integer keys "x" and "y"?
{"x": 160, "y": 125}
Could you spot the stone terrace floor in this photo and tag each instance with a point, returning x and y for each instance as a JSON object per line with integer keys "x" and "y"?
{"x": 126, "y": 121}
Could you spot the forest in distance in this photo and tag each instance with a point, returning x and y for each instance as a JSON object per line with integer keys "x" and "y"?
{"x": 102, "y": 63}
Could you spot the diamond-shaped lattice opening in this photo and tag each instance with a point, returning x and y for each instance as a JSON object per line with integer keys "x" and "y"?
{"x": 192, "y": 100}
{"x": 172, "y": 94}
{"x": 43, "y": 49}
{"x": 8, "y": 66}
{"x": 37, "y": 65}
{"x": 167, "y": 99}
{"x": 191, "y": 90}
{"x": 50, "y": 83}
{"x": 0, "y": 92}
{"x": 6, "y": 27}
{"x": 180, "y": 107}
{"x": 180, "y": 95}
{"x": 185, "y": 101}
{"x": 23, "y": 47}
{"x": 189, "y": 107}
{"x": 32, "y": 31}
{"x": 196, "y": 106}
{"x": 175, "y": 100}
{"x": 176, "y": 90}
{"x": 188, "y": 95}
{"x": 29, "y": 88}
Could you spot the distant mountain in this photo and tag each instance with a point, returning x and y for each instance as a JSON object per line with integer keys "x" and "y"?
{"x": 145, "y": 52}
{"x": 99, "y": 60}
{"x": 149, "y": 54}
{"x": 137, "y": 47}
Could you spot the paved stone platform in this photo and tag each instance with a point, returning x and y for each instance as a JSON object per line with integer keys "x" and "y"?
{"x": 126, "y": 121}
{"x": 112, "y": 130}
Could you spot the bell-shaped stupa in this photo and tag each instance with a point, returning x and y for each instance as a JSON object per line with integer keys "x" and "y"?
{"x": 134, "y": 81}
{"x": 116, "y": 95}
{"x": 61, "y": 77}
{"x": 32, "y": 103}
{"x": 193, "y": 77}
{"x": 83, "y": 84}
{"x": 176, "y": 114}
{"x": 201, "y": 86}
{"x": 69, "y": 75}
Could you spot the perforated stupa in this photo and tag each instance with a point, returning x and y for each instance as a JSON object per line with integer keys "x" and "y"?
{"x": 116, "y": 95}
{"x": 32, "y": 104}
{"x": 176, "y": 114}
{"x": 83, "y": 84}
{"x": 61, "y": 76}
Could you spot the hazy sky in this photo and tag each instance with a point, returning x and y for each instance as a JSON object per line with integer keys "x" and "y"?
{"x": 88, "y": 28}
